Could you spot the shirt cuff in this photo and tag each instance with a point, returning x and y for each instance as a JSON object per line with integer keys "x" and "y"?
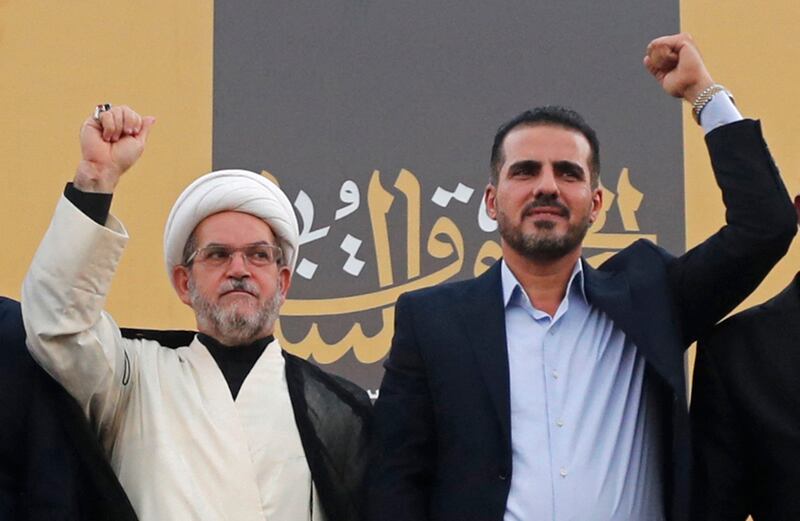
{"x": 95, "y": 206}
{"x": 719, "y": 111}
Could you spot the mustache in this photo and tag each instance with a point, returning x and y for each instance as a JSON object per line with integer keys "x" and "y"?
{"x": 239, "y": 285}
{"x": 545, "y": 201}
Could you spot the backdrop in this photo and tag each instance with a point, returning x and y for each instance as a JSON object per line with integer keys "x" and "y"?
{"x": 376, "y": 117}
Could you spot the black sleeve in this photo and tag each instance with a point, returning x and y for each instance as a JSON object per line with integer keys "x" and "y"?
{"x": 713, "y": 277}
{"x": 96, "y": 206}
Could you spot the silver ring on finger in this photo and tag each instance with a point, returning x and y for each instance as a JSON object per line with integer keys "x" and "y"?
{"x": 99, "y": 109}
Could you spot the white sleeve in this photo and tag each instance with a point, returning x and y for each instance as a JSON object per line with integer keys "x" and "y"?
{"x": 719, "y": 111}
{"x": 63, "y": 296}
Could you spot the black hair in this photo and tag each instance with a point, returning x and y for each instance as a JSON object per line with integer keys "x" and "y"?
{"x": 549, "y": 115}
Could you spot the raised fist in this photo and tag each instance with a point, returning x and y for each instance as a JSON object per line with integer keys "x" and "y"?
{"x": 110, "y": 145}
{"x": 676, "y": 63}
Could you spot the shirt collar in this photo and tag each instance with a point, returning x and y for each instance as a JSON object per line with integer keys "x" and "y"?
{"x": 511, "y": 285}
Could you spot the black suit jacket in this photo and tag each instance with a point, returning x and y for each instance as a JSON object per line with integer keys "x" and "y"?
{"x": 746, "y": 414}
{"x": 443, "y": 449}
{"x": 51, "y": 466}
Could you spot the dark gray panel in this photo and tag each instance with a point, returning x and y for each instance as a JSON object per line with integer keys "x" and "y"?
{"x": 322, "y": 92}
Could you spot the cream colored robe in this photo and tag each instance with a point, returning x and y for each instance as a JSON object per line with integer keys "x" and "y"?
{"x": 180, "y": 445}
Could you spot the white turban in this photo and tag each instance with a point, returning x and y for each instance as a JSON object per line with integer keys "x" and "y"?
{"x": 230, "y": 190}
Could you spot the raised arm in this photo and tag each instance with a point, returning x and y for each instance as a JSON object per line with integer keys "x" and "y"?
{"x": 66, "y": 286}
{"x": 713, "y": 277}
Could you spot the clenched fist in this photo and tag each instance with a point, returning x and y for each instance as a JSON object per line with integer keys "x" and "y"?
{"x": 109, "y": 147}
{"x": 676, "y": 63}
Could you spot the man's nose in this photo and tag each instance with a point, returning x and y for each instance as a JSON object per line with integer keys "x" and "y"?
{"x": 238, "y": 266}
{"x": 546, "y": 182}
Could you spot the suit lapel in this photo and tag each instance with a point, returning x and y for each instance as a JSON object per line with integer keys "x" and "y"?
{"x": 611, "y": 292}
{"x": 483, "y": 324}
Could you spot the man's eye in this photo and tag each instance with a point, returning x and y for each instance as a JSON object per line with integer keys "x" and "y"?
{"x": 262, "y": 255}
{"x": 218, "y": 254}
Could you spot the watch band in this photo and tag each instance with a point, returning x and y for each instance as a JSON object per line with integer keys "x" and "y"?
{"x": 704, "y": 98}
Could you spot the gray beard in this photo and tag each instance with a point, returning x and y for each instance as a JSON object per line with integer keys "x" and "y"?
{"x": 542, "y": 247}
{"x": 233, "y": 326}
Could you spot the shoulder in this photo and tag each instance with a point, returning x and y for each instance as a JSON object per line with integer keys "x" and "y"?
{"x": 7, "y": 303}
{"x": 10, "y": 318}
{"x": 454, "y": 293}
{"x": 755, "y": 352}
{"x": 735, "y": 329}
{"x": 444, "y": 290}
{"x": 643, "y": 258}
{"x": 640, "y": 249}
{"x": 763, "y": 334}
{"x": 14, "y": 355}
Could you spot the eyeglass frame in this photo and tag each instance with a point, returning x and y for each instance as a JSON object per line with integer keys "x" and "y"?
{"x": 278, "y": 259}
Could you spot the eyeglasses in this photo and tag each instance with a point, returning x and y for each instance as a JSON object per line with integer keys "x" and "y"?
{"x": 218, "y": 255}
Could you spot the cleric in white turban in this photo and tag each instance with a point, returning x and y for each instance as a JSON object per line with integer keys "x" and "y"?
{"x": 217, "y": 424}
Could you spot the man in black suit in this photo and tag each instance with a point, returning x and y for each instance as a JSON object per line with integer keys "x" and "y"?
{"x": 51, "y": 465}
{"x": 746, "y": 414}
{"x": 546, "y": 389}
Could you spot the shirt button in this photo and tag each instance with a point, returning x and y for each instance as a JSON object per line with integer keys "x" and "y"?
{"x": 563, "y": 472}
{"x": 560, "y": 423}
{"x": 555, "y": 375}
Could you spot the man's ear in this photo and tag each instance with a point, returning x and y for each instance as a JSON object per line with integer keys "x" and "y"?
{"x": 489, "y": 197}
{"x": 285, "y": 279}
{"x": 597, "y": 204}
{"x": 180, "y": 279}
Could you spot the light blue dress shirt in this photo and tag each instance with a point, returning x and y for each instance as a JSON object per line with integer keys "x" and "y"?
{"x": 583, "y": 426}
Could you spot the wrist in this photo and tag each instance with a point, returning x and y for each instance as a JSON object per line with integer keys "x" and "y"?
{"x": 90, "y": 178}
{"x": 693, "y": 91}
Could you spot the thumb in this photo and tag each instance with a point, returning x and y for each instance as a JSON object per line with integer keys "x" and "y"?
{"x": 147, "y": 124}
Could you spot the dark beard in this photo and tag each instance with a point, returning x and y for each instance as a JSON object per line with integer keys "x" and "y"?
{"x": 543, "y": 248}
